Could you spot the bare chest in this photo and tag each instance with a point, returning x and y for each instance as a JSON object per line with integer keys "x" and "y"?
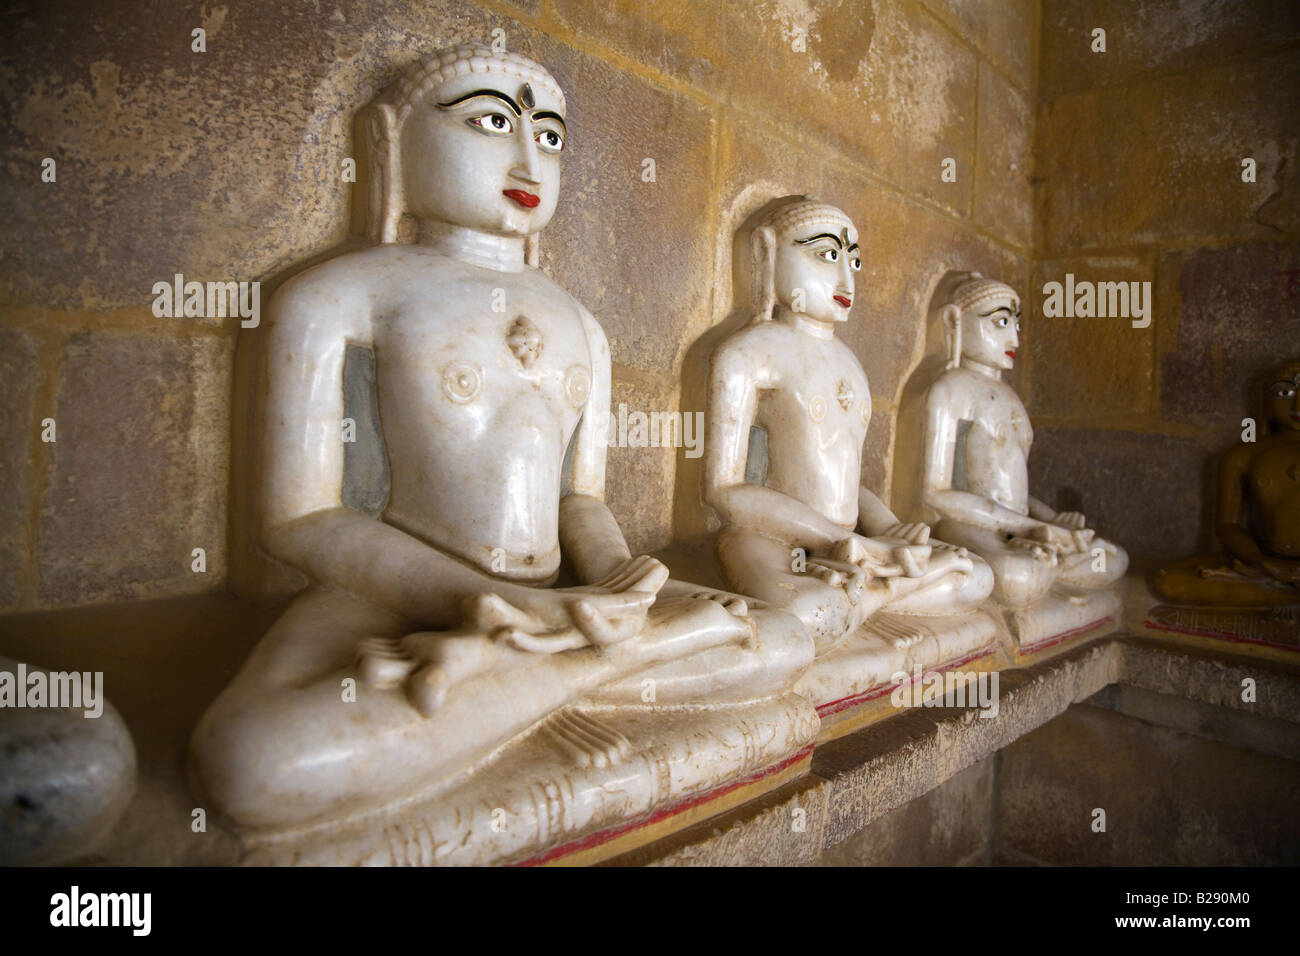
{"x": 1274, "y": 476}
{"x": 475, "y": 357}
{"x": 825, "y": 399}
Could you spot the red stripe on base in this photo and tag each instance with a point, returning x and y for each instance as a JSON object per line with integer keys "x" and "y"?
{"x": 835, "y": 706}
{"x": 1219, "y": 635}
{"x": 1066, "y": 635}
{"x": 604, "y": 836}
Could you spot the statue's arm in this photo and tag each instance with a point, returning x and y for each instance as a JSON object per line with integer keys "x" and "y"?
{"x": 1041, "y": 510}
{"x": 303, "y": 520}
{"x": 874, "y": 516}
{"x": 1230, "y": 523}
{"x": 941, "y": 422}
{"x": 733, "y": 397}
{"x": 589, "y": 533}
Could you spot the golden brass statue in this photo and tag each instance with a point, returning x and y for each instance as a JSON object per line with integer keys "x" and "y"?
{"x": 1258, "y": 520}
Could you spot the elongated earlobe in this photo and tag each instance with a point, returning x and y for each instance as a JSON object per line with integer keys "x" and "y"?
{"x": 763, "y": 246}
{"x": 952, "y": 334}
{"x": 386, "y": 189}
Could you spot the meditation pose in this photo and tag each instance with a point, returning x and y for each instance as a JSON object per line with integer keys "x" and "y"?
{"x": 1258, "y": 515}
{"x": 441, "y": 612}
{"x": 976, "y": 472}
{"x": 806, "y": 536}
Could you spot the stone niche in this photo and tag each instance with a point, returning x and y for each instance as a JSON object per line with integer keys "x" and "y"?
{"x": 984, "y": 137}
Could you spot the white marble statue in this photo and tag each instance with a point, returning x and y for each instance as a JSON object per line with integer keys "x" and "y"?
{"x": 976, "y": 477}
{"x": 478, "y": 685}
{"x": 806, "y": 535}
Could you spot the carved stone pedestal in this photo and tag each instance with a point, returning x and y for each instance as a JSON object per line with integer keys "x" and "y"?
{"x": 1063, "y": 615}
{"x": 852, "y": 684}
{"x": 1269, "y": 632}
{"x": 585, "y": 784}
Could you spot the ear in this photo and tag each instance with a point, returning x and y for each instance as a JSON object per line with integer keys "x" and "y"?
{"x": 386, "y": 190}
{"x": 763, "y": 246}
{"x": 951, "y": 316}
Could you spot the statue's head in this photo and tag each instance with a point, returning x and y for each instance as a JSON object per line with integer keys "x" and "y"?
{"x": 467, "y": 137}
{"x": 982, "y": 323}
{"x": 1282, "y": 397}
{"x": 805, "y": 257}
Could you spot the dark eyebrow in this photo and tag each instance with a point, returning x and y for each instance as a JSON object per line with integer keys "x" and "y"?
{"x": 1001, "y": 308}
{"x": 549, "y": 115}
{"x": 820, "y": 235}
{"x": 853, "y": 246}
{"x": 494, "y": 93}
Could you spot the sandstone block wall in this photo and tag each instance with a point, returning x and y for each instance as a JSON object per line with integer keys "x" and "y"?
{"x": 226, "y": 165}
{"x": 1138, "y": 165}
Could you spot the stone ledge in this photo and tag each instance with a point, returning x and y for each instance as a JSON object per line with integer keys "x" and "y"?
{"x": 164, "y": 661}
{"x": 857, "y": 779}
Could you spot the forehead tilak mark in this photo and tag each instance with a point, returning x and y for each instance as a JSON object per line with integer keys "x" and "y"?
{"x": 526, "y": 96}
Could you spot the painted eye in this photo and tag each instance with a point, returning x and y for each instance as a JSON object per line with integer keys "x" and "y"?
{"x": 492, "y": 123}
{"x": 549, "y": 140}
{"x": 1001, "y": 321}
{"x": 856, "y": 264}
{"x": 1017, "y": 326}
{"x": 1284, "y": 391}
{"x": 830, "y": 255}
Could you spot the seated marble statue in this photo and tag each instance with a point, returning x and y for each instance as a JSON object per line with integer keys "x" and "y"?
{"x": 976, "y": 466}
{"x": 806, "y": 536}
{"x": 1258, "y": 518}
{"x": 443, "y": 610}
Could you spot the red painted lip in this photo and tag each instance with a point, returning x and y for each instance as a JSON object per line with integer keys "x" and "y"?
{"x": 525, "y": 199}
{"x": 1011, "y": 353}
{"x": 843, "y": 300}
{"x": 1295, "y": 418}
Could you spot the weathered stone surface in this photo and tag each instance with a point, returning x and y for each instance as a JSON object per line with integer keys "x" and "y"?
{"x": 1153, "y": 35}
{"x": 888, "y": 764}
{"x": 898, "y": 88}
{"x": 941, "y": 828}
{"x": 637, "y": 254}
{"x": 1206, "y": 677}
{"x": 1004, "y": 32}
{"x": 1091, "y": 370}
{"x": 1190, "y": 809}
{"x": 65, "y": 776}
{"x": 19, "y": 439}
{"x": 783, "y": 828}
{"x": 1004, "y": 199}
{"x": 639, "y": 480}
{"x": 1225, "y": 317}
{"x": 1144, "y": 491}
{"x": 138, "y": 474}
{"x": 680, "y": 38}
{"x": 1236, "y": 727}
{"x": 1187, "y": 133}
{"x": 172, "y": 159}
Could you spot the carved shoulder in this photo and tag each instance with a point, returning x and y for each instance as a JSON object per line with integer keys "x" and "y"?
{"x": 337, "y": 296}
{"x": 597, "y": 341}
